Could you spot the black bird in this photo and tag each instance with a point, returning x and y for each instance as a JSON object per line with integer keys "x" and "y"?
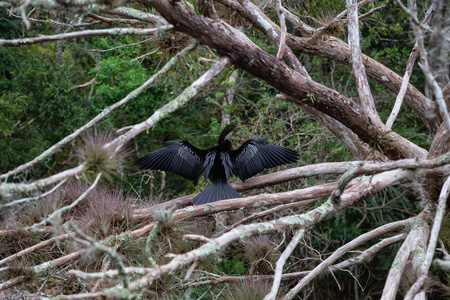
{"x": 218, "y": 163}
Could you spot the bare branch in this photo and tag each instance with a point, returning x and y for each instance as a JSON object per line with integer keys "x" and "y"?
{"x": 283, "y": 30}
{"x": 84, "y": 33}
{"x": 359, "y": 71}
{"x": 19, "y": 201}
{"x": 280, "y": 264}
{"x": 359, "y": 259}
{"x": 7, "y": 189}
{"x": 443, "y": 110}
{"x": 408, "y": 72}
{"x": 170, "y": 107}
{"x": 138, "y": 15}
{"x": 114, "y": 21}
{"x": 257, "y": 16}
{"x": 269, "y": 211}
{"x": 418, "y": 233}
{"x": 59, "y": 211}
{"x": 394, "y": 226}
{"x": 34, "y": 248}
{"x": 440, "y": 212}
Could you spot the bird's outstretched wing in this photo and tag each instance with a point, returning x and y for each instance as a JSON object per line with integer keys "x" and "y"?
{"x": 179, "y": 157}
{"x": 256, "y": 155}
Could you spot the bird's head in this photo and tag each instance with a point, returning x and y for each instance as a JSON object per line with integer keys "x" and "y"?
{"x": 227, "y": 130}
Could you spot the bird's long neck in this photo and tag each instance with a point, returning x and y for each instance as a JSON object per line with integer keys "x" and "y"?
{"x": 223, "y": 135}
{"x": 224, "y": 144}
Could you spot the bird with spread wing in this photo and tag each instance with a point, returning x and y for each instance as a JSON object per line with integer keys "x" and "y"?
{"x": 218, "y": 163}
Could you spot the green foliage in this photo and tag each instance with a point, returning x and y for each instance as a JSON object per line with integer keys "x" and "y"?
{"x": 37, "y": 103}
{"x": 232, "y": 266}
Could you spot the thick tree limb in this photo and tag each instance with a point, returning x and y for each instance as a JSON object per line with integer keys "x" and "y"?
{"x": 337, "y": 50}
{"x": 418, "y": 233}
{"x": 440, "y": 212}
{"x": 243, "y": 53}
{"x": 138, "y": 15}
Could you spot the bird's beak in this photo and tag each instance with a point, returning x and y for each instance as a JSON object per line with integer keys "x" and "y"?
{"x": 240, "y": 126}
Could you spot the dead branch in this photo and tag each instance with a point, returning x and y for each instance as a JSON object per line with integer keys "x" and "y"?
{"x": 419, "y": 232}
{"x": 84, "y": 33}
{"x": 440, "y": 212}
{"x": 394, "y": 226}
{"x": 7, "y": 189}
{"x": 359, "y": 71}
{"x": 170, "y": 107}
{"x": 408, "y": 72}
{"x": 280, "y": 264}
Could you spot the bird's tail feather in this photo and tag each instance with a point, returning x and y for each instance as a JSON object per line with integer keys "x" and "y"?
{"x": 216, "y": 191}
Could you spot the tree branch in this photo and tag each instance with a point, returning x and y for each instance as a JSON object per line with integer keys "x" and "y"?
{"x": 408, "y": 72}
{"x": 359, "y": 71}
{"x": 418, "y": 233}
{"x": 84, "y": 33}
{"x": 440, "y": 212}
{"x": 170, "y": 107}
{"x": 394, "y": 226}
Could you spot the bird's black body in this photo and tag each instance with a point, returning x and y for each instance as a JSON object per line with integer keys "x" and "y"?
{"x": 218, "y": 163}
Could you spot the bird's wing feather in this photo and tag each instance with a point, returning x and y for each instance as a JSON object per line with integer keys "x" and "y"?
{"x": 209, "y": 163}
{"x": 179, "y": 157}
{"x": 256, "y": 155}
{"x": 227, "y": 164}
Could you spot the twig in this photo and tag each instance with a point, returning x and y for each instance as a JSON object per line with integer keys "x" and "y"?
{"x": 92, "y": 81}
{"x": 413, "y": 17}
{"x": 443, "y": 110}
{"x": 269, "y": 211}
{"x": 111, "y": 253}
{"x": 110, "y": 20}
{"x": 105, "y": 267}
{"x": 361, "y": 258}
{"x": 273, "y": 32}
{"x": 145, "y": 55}
{"x": 168, "y": 215}
{"x": 118, "y": 47}
{"x": 196, "y": 237}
